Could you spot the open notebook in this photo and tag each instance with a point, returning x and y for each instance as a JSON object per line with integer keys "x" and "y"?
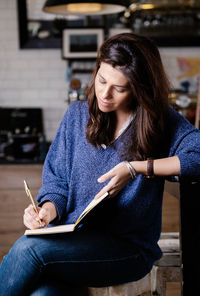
{"x": 67, "y": 227}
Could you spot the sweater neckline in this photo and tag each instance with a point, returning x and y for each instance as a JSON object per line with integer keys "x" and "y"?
{"x": 122, "y": 130}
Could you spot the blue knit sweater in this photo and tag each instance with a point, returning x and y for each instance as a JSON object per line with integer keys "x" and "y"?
{"x": 73, "y": 166}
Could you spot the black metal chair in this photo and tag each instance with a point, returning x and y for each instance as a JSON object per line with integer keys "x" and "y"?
{"x": 190, "y": 235}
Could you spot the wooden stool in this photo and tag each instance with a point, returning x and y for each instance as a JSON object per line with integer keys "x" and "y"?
{"x": 168, "y": 268}
{"x": 138, "y": 288}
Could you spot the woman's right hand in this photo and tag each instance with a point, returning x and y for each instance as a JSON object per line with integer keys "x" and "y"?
{"x": 46, "y": 214}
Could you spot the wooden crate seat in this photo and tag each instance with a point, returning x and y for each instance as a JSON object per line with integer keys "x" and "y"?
{"x": 168, "y": 268}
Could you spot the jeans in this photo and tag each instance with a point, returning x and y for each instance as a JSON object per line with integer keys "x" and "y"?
{"x": 51, "y": 264}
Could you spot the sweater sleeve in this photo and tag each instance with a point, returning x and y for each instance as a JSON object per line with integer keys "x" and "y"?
{"x": 188, "y": 152}
{"x": 186, "y": 145}
{"x": 55, "y": 173}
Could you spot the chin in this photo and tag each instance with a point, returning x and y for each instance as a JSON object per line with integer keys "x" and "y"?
{"x": 104, "y": 108}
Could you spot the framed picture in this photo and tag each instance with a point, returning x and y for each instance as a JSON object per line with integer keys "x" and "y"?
{"x": 115, "y": 31}
{"x": 81, "y": 43}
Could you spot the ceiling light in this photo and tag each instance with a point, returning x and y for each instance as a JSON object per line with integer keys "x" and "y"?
{"x": 87, "y": 7}
{"x": 180, "y": 5}
{"x": 147, "y": 6}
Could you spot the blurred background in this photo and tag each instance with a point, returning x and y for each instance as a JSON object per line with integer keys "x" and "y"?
{"x": 47, "y": 56}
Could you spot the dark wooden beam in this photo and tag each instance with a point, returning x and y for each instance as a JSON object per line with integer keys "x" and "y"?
{"x": 22, "y": 22}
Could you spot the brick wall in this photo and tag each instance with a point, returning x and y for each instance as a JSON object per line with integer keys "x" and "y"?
{"x": 30, "y": 78}
{"x": 36, "y": 78}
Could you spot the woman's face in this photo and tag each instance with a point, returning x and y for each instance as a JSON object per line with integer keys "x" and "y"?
{"x": 112, "y": 90}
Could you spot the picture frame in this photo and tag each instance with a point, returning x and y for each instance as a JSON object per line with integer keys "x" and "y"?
{"x": 81, "y": 43}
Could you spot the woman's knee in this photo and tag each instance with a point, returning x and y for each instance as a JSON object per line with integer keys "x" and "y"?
{"x": 51, "y": 289}
{"x": 24, "y": 249}
{"x": 22, "y": 245}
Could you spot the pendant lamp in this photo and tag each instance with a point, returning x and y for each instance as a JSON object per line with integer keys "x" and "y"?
{"x": 87, "y": 7}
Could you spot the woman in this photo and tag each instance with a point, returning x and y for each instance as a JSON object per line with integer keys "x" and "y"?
{"x": 124, "y": 140}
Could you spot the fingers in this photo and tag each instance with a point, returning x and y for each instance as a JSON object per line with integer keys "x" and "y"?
{"x": 106, "y": 176}
{"x": 31, "y": 218}
{"x": 119, "y": 170}
{"x": 44, "y": 216}
{"x": 111, "y": 188}
{"x": 103, "y": 191}
{"x": 106, "y": 188}
{"x": 119, "y": 176}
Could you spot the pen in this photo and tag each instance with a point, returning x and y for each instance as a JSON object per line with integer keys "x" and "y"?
{"x": 28, "y": 192}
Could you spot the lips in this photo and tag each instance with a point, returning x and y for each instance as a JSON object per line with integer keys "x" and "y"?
{"x": 105, "y": 104}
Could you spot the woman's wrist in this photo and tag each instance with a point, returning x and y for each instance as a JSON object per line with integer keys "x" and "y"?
{"x": 140, "y": 166}
{"x": 131, "y": 169}
{"x": 168, "y": 166}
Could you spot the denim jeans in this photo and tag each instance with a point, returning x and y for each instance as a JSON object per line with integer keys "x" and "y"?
{"x": 51, "y": 264}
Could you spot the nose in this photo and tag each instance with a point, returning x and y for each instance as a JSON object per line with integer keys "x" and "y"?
{"x": 106, "y": 93}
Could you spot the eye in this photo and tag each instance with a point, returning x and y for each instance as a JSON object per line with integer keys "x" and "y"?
{"x": 102, "y": 81}
{"x": 120, "y": 90}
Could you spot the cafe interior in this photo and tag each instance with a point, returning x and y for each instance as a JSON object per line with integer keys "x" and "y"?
{"x": 47, "y": 55}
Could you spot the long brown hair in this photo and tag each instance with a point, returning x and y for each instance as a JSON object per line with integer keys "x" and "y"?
{"x": 139, "y": 60}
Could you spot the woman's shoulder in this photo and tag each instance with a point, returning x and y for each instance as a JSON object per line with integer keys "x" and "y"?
{"x": 177, "y": 121}
{"x": 75, "y": 110}
{"x": 179, "y": 128}
{"x": 78, "y": 106}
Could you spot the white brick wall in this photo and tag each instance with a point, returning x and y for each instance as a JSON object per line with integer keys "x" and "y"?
{"x": 36, "y": 78}
{"x": 30, "y": 78}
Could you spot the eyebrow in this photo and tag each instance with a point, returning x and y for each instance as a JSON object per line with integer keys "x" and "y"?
{"x": 118, "y": 85}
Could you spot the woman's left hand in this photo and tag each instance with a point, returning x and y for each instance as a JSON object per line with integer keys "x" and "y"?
{"x": 119, "y": 176}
